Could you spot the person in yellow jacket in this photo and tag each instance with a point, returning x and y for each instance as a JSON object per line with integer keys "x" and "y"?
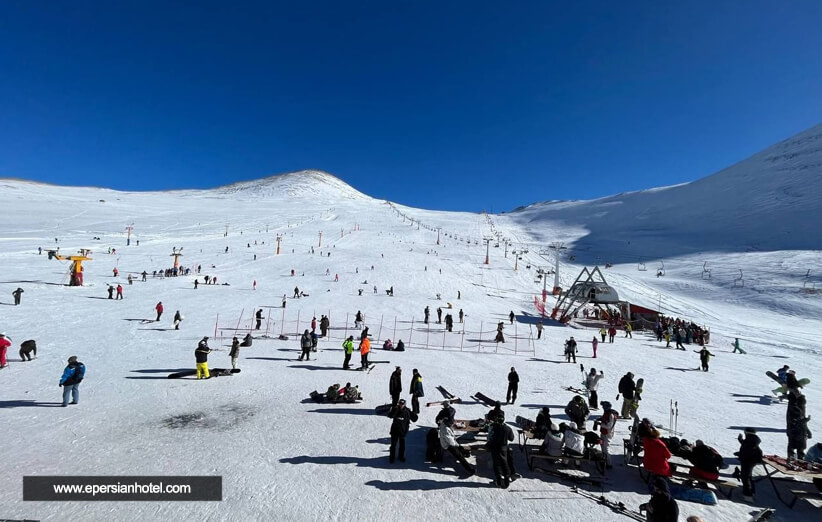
{"x": 348, "y": 347}
{"x": 201, "y": 354}
{"x": 365, "y": 348}
{"x": 628, "y": 329}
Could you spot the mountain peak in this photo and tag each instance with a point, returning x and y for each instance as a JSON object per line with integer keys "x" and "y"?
{"x": 302, "y": 183}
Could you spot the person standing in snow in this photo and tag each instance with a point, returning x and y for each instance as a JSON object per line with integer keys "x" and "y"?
{"x": 628, "y": 329}
{"x": 749, "y": 455}
{"x": 578, "y": 411}
{"x": 284, "y": 300}
{"x": 461, "y": 315}
{"x": 235, "y": 352}
{"x": 606, "y": 424}
{"x": 305, "y": 346}
{"x": 602, "y": 333}
{"x": 159, "y": 309}
{"x": 594, "y": 344}
{"x": 539, "y": 329}
{"x": 571, "y": 350}
{"x": 119, "y": 292}
{"x": 358, "y": 319}
{"x": 258, "y": 318}
{"x": 416, "y": 391}
{"x": 499, "y": 338}
{"x": 178, "y": 318}
{"x": 427, "y": 313}
{"x": 439, "y": 315}
{"x": 110, "y": 292}
{"x": 704, "y": 358}
{"x": 365, "y": 349}
{"x": 627, "y": 387}
{"x": 611, "y": 334}
{"x": 201, "y": 357}
{"x": 395, "y": 385}
{"x": 591, "y": 384}
{"x": 796, "y": 426}
{"x": 16, "y": 295}
{"x": 70, "y": 381}
{"x": 511, "y": 317}
{"x": 5, "y": 342}
{"x": 513, "y": 385}
{"x": 401, "y": 419}
{"x": 324, "y": 325}
{"x": 348, "y": 348}
{"x": 499, "y": 434}
{"x": 736, "y": 346}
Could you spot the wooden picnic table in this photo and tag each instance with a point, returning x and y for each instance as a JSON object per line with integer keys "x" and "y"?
{"x": 793, "y": 473}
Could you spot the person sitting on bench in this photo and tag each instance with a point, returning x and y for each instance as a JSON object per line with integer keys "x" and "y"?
{"x": 552, "y": 445}
{"x": 574, "y": 443}
{"x": 542, "y": 424}
{"x": 706, "y": 461}
{"x": 657, "y": 454}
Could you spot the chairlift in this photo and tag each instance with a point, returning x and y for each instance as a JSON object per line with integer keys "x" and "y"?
{"x": 641, "y": 267}
{"x": 706, "y": 271}
{"x": 739, "y": 281}
{"x": 660, "y": 272}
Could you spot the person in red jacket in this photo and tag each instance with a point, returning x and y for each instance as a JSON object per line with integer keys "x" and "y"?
{"x": 5, "y": 342}
{"x": 119, "y": 292}
{"x": 656, "y": 455}
{"x": 159, "y": 309}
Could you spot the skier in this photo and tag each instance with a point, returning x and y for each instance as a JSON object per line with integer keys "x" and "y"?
{"x": 449, "y": 443}
{"x": 461, "y": 315}
{"x": 73, "y": 375}
{"x": 5, "y": 342}
{"x": 365, "y": 348}
{"x": 201, "y": 356}
{"x": 513, "y": 385}
{"x": 736, "y": 346}
{"x": 395, "y": 385}
{"x": 539, "y": 329}
{"x": 110, "y": 292}
{"x": 571, "y": 350}
{"x": 196, "y": 283}
{"x": 119, "y": 292}
{"x": 606, "y": 425}
{"x": 578, "y": 411}
{"x": 628, "y": 329}
{"x": 416, "y": 391}
{"x": 704, "y": 358}
{"x": 305, "y": 346}
{"x": 235, "y": 352}
{"x": 594, "y": 344}
{"x": 591, "y": 384}
{"x": 358, "y": 319}
{"x": 159, "y": 309}
{"x": 626, "y": 387}
{"x": 16, "y": 295}
{"x": 427, "y": 312}
{"x": 499, "y": 434}
{"x": 662, "y": 507}
{"x": 400, "y": 423}
{"x": 749, "y": 456}
{"x": 296, "y": 292}
{"x": 348, "y": 348}
{"x": 26, "y": 349}
{"x": 499, "y": 338}
{"x": 259, "y": 318}
{"x": 178, "y": 318}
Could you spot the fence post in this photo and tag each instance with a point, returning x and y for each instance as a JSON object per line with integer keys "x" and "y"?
{"x": 379, "y": 332}
{"x": 443, "y": 339}
{"x": 216, "y": 322}
{"x": 462, "y": 337}
{"x": 515, "y": 337}
{"x": 297, "y": 328}
{"x": 480, "y": 338}
{"x": 238, "y": 322}
{"x": 427, "y": 335}
{"x": 411, "y": 333}
{"x": 345, "y": 335}
{"x": 282, "y": 322}
{"x": 268, "y": 322}
{"x": 395, "y": 328}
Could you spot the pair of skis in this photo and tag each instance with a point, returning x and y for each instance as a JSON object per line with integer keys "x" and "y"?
{"x": 616, "y": 507}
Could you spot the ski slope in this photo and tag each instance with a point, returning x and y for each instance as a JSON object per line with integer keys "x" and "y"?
{"x": 285, "y": 458}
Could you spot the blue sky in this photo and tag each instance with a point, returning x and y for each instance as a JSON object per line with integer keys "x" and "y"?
{"x": 462, "y": 105}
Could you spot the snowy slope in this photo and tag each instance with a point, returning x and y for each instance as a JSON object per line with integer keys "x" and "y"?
{"x": 283, "y": 458}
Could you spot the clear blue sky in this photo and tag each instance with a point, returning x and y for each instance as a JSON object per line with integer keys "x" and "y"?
{"x": 463, "y": 105}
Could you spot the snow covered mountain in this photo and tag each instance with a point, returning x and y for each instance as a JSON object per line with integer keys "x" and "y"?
{"x": 770, "y": 201}
{"x": 301, "y": 184}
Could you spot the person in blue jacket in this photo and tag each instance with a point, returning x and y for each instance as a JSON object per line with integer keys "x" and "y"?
{"x": 71, "y": 379}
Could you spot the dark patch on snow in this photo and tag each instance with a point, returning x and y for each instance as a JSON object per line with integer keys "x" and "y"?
{"x": 224, "y": 418}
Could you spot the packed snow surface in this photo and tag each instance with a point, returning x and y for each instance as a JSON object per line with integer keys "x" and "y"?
{"x": 283, "y": 457}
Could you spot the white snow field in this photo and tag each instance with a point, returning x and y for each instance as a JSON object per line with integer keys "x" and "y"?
{"x": 283, "y": 457}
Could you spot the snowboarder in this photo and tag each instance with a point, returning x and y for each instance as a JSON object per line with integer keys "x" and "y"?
{"x": 16, "y": 295}
{"x": 348, "y": 348}
{"x": 365, "y": 348}
{"x": 511, "y": 317}
{"x": 571, "y": 350}
{"x": 662, "y": 506}
{"x": 704, "y": 358}
{"x": 70, "y": 381}
{"x": 201, "y": 356}
{"x": 539, "y": 329}
{"x": 259, "y": 318}
{"x": 5, "y": 342}
{"x": 305, "y": 346}
{"x": 235, "y": 352}
{"x": 26, "y": 350}
{"x": 736, "y": 346}
{"x": 400, "y": 423}
{"x": 499, "y": 434}
{"x": 513, "y": 385}
{"x": 395, "y": 385}
{"x": 119, "y": 292}
{"x": 159, "y": 309}
{"x": 499, "y": 338}
{"x": 626, "y": 387}
{"x": 178, "y": 318}
{"x": 591, "y": 384}
{"x": 594, "y": 344}
{"x": 416, "y": 391}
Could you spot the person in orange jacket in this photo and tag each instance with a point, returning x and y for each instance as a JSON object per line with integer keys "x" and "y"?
{"x": 365, "y": 348}
{"x": 656, "y": 455}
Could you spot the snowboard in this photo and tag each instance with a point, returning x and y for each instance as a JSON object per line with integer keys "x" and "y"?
{"x": 453, "y": 400}
{"x": 764, "y": 514}
{"x": 579, "y": 479}
{"x": 214, "y": 372}
{"x": 525, "y": 423}
{"x": 616, "y": 507}
{"x": 445, "y": 393}
{"x": 484, "y": 399}
{"x": 367, "y": 369}
{"x": 578, "y": 391}
{"x": 701, "y": 496}
{"x": 783, "y": 388}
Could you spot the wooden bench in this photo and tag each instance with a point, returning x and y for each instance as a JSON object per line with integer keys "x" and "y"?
{"x": 725, "y": 487}
{"x": 803, "y": 493}
{"x": 533, "y": 455}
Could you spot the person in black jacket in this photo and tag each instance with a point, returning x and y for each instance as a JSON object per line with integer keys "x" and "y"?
{"x": 400, "y": 424}
{"x": 513, "y": 385}
{"x": 749, "y": 455}
{"x": 499, "y": 434}
{"x": 259, "y": 317}
{"x": 201, "y": 356}
{"x": 542, "y": 423}
{"x": 235, "y": 352}
{"x": 627, "y": 387}
{"x": 395, "y": 386}
{"x": 797, "y": 426}
{"x": 446, "y": 414}
{"x": 662, "y": 507}
{"x": 27, "y": 348}
{"x": 706, "y": 462}
{"x": 305, "y": 346}
{"x": 496, "y": 413}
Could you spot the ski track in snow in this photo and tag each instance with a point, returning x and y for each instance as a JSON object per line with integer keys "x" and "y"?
{"x": 284, "y": 458}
